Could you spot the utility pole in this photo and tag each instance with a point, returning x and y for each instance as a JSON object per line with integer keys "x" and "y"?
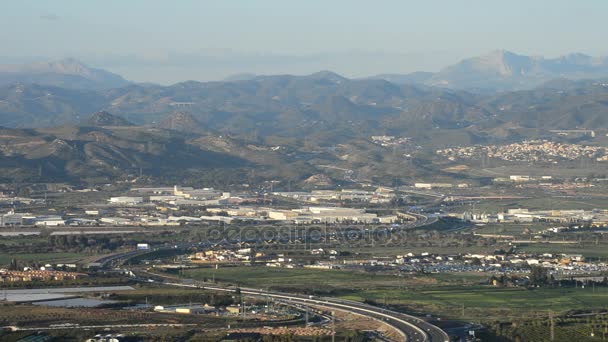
{"x": 333, "y": 326}
{"x": 552, "y": 325}
{"x": 243, "y": 307}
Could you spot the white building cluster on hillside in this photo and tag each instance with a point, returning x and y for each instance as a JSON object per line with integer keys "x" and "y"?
{"x": 527, "y": 151}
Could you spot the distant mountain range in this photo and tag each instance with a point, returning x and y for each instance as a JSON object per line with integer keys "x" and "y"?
{"x": 298, "y": 106}
{"x": 418, "y": 77}
{"x": 67, "y": 73}
{"x": 285, "y": 126}
{"x": 502, "y": 70}
{"x": 498, "y": 70}
{"x": 282, "y": 127}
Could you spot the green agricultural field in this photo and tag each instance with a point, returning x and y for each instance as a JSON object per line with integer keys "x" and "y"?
{"x": 309, "y": 279}
{"x": 449, "y": 295}
{"x": 486, "y": 302}
{"x": 263, "y": 277}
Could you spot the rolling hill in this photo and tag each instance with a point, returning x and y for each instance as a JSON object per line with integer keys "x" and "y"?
{"x": 78, "y": 153}
{"x": 103, "y": 118}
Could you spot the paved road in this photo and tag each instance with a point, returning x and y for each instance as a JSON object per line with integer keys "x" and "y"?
{"x": 120, "y": 258}
{"x": 410, "y": 327}
{"x": 116, "y": 258}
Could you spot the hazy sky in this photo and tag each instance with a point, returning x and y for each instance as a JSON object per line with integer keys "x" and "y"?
{"x": 168, "y": 41}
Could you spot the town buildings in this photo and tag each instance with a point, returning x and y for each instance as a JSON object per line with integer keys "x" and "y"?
{"x": 9, "y": 276}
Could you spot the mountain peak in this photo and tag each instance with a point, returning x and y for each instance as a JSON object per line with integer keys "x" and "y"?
{"x": 103, "y": 118}
{"x": 245, "y": 76}
{"x": 577, "y": 58}
{"x": 67, "y": 72}
{"x": 506, "y": 63}
{"x": 506, "y": 70}
{"x": 502, "y": 53}
{"x": 181, "y": 121}
{"x": 67, "y": 66}
{"x": 327, "y": 75}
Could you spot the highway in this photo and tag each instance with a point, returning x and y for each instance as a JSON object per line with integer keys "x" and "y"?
{"x": 410, "y": 327}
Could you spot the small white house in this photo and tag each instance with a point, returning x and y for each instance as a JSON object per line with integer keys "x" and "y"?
{"x": 143, "y": 246}
{"x": 126, "y": 200}
{"x": 50, "y": 221}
